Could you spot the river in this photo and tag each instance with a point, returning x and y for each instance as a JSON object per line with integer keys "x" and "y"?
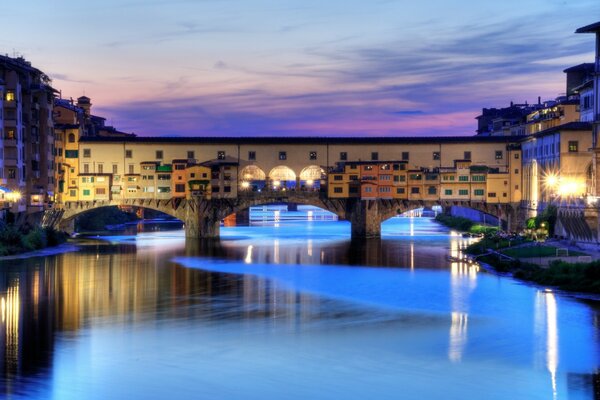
{"x": 287, "y": 310}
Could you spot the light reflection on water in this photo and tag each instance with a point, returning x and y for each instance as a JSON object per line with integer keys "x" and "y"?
{"x": 288, "y": 311}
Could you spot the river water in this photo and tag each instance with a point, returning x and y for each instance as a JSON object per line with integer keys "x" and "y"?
{"x": 291, "y": 310}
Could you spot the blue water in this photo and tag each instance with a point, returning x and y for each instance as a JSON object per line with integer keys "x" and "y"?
{"x": 289, "y": 310}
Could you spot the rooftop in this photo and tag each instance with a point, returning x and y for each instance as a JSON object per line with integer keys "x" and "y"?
{"x": 305, "y": 140}
{"x": 592, "y": 28}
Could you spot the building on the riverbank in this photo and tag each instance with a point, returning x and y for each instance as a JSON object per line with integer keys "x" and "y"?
{"x": 557, "y": 165}
{"x": 27, "y": 168}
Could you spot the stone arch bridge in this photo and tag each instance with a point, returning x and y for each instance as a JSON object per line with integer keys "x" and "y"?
{"x": 202, "y": 217}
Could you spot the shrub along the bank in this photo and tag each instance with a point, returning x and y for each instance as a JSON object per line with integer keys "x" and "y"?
{"x": 459, "y": 223}
{"x": 15, "y": 241}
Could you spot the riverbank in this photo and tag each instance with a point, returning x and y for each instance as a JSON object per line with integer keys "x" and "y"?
{"x": 15, "y": 241}
{"x": 512, "y": 255}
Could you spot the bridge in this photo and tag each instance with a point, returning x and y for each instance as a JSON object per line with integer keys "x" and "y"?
{"x": 202, "y": 217}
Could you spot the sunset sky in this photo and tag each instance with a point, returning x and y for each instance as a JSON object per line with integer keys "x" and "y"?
{"x": 301, "y": 67}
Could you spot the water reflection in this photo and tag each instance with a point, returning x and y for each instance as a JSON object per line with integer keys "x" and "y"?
{"x": 263, "y": 307}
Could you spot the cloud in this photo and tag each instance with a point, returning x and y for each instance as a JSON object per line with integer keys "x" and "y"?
{"x": 398, "y": 86}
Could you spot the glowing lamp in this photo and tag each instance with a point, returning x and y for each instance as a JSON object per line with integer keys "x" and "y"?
{"x": 245, "y": 185}
{"x": 310, "y": 182}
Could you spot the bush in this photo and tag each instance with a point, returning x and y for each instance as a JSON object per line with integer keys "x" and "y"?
{"x": 35, "y": 239}
{"x": 459, "y": 223}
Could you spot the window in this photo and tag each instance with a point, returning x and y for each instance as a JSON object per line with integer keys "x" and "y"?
{"x": 227, "y": 189}
{"x": 10, "y": 134}
{"x": 573, "y": 146}
{"x": 10, "y": 95}
{"x": 436, "y": 155}
{"x": 405, "y": 156}
{"x": 402, "y": 178}
{"x": 86, "y": 168}
{"x": 312, "y": 155}
{"x": 131, "y": 168}
{"x": 368, "y": 189}
{"x": 159, "y": 154}
{"x": 220, "y": 155}
{"x": 71, "y": 153}
{"x": 463, "y": 178}
{"x": 163, "y": 189}
{"x": 415, "y": 177}
{"x": 448, "y": 192}
{"x": 72, "y": 193}
{"x": 86, "y": 192}
{"x": 431, "y": 190}
{"x": 499, "y": 155}
{"x": 71, "y": 138}
{"x": 478, "y": 178}
{"x": 516, "y": 170}
{"x": 400, "y": 190}
{"x": 179, "y": 167}
{"x": 180, "y": 188}
{"x": 414, "y": 190}
{"x": 115, "y": 169}
{"x": 190, "y": 154}
{"x": 283, "y": 155}
{"x": 431, "y": 177}
{"x": 353, "y": 189}
{"x": 338, "y": 190}
{"x": 101, "y": 191}
{"x": 343, "y": 156}
{"x": 12, "y": 173}
{"x": 478, "y": 192}
{"x": 463, "y": 192}
{"x": 128, "y": 153}
{"x": 504, "y": 194}
{"x": 374, "y": 156}
{"x": 100, "y": 168}
{"x": 467, "y": 155}
{"x": 163, "y": 177}
{"x": 252, "y": 155}
{"x": 338, "y": 177}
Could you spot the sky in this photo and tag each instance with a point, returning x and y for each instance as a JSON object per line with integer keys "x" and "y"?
{"x": 300, "y": 67}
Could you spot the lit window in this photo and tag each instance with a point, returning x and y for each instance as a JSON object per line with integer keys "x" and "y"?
{"x": 499, "y": 155}
{"x": 10, "y": 95}
{"x": 220, "y": 155}
{"x": 573, "y": 146}
{"x": 312, "y": 155}
{"x": 283, "y": 155}
{"x": 436, "y": 155}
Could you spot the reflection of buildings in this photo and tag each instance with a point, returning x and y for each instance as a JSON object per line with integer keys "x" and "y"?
{"x": 463, "y": 280}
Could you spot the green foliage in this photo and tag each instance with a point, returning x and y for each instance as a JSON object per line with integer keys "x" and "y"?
{"x": 459, "y": 223}
{"x": 96, "y": 220}
{"x": 35, "y": 239}
{"x": 547, "y": 219}
{"x": 581, "y": 277}
{"x": 531, "y": 223}
{"x": 14, "y": 241}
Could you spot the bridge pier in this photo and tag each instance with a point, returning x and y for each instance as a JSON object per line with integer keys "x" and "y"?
{"x": 365, "y": 219}
{"x": 200, "y": 225}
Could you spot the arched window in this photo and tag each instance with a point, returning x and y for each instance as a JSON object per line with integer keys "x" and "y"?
{"x": 282, "y": 177}
{"x": 310, "y": 177}
{"x": 71, "y": 138}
